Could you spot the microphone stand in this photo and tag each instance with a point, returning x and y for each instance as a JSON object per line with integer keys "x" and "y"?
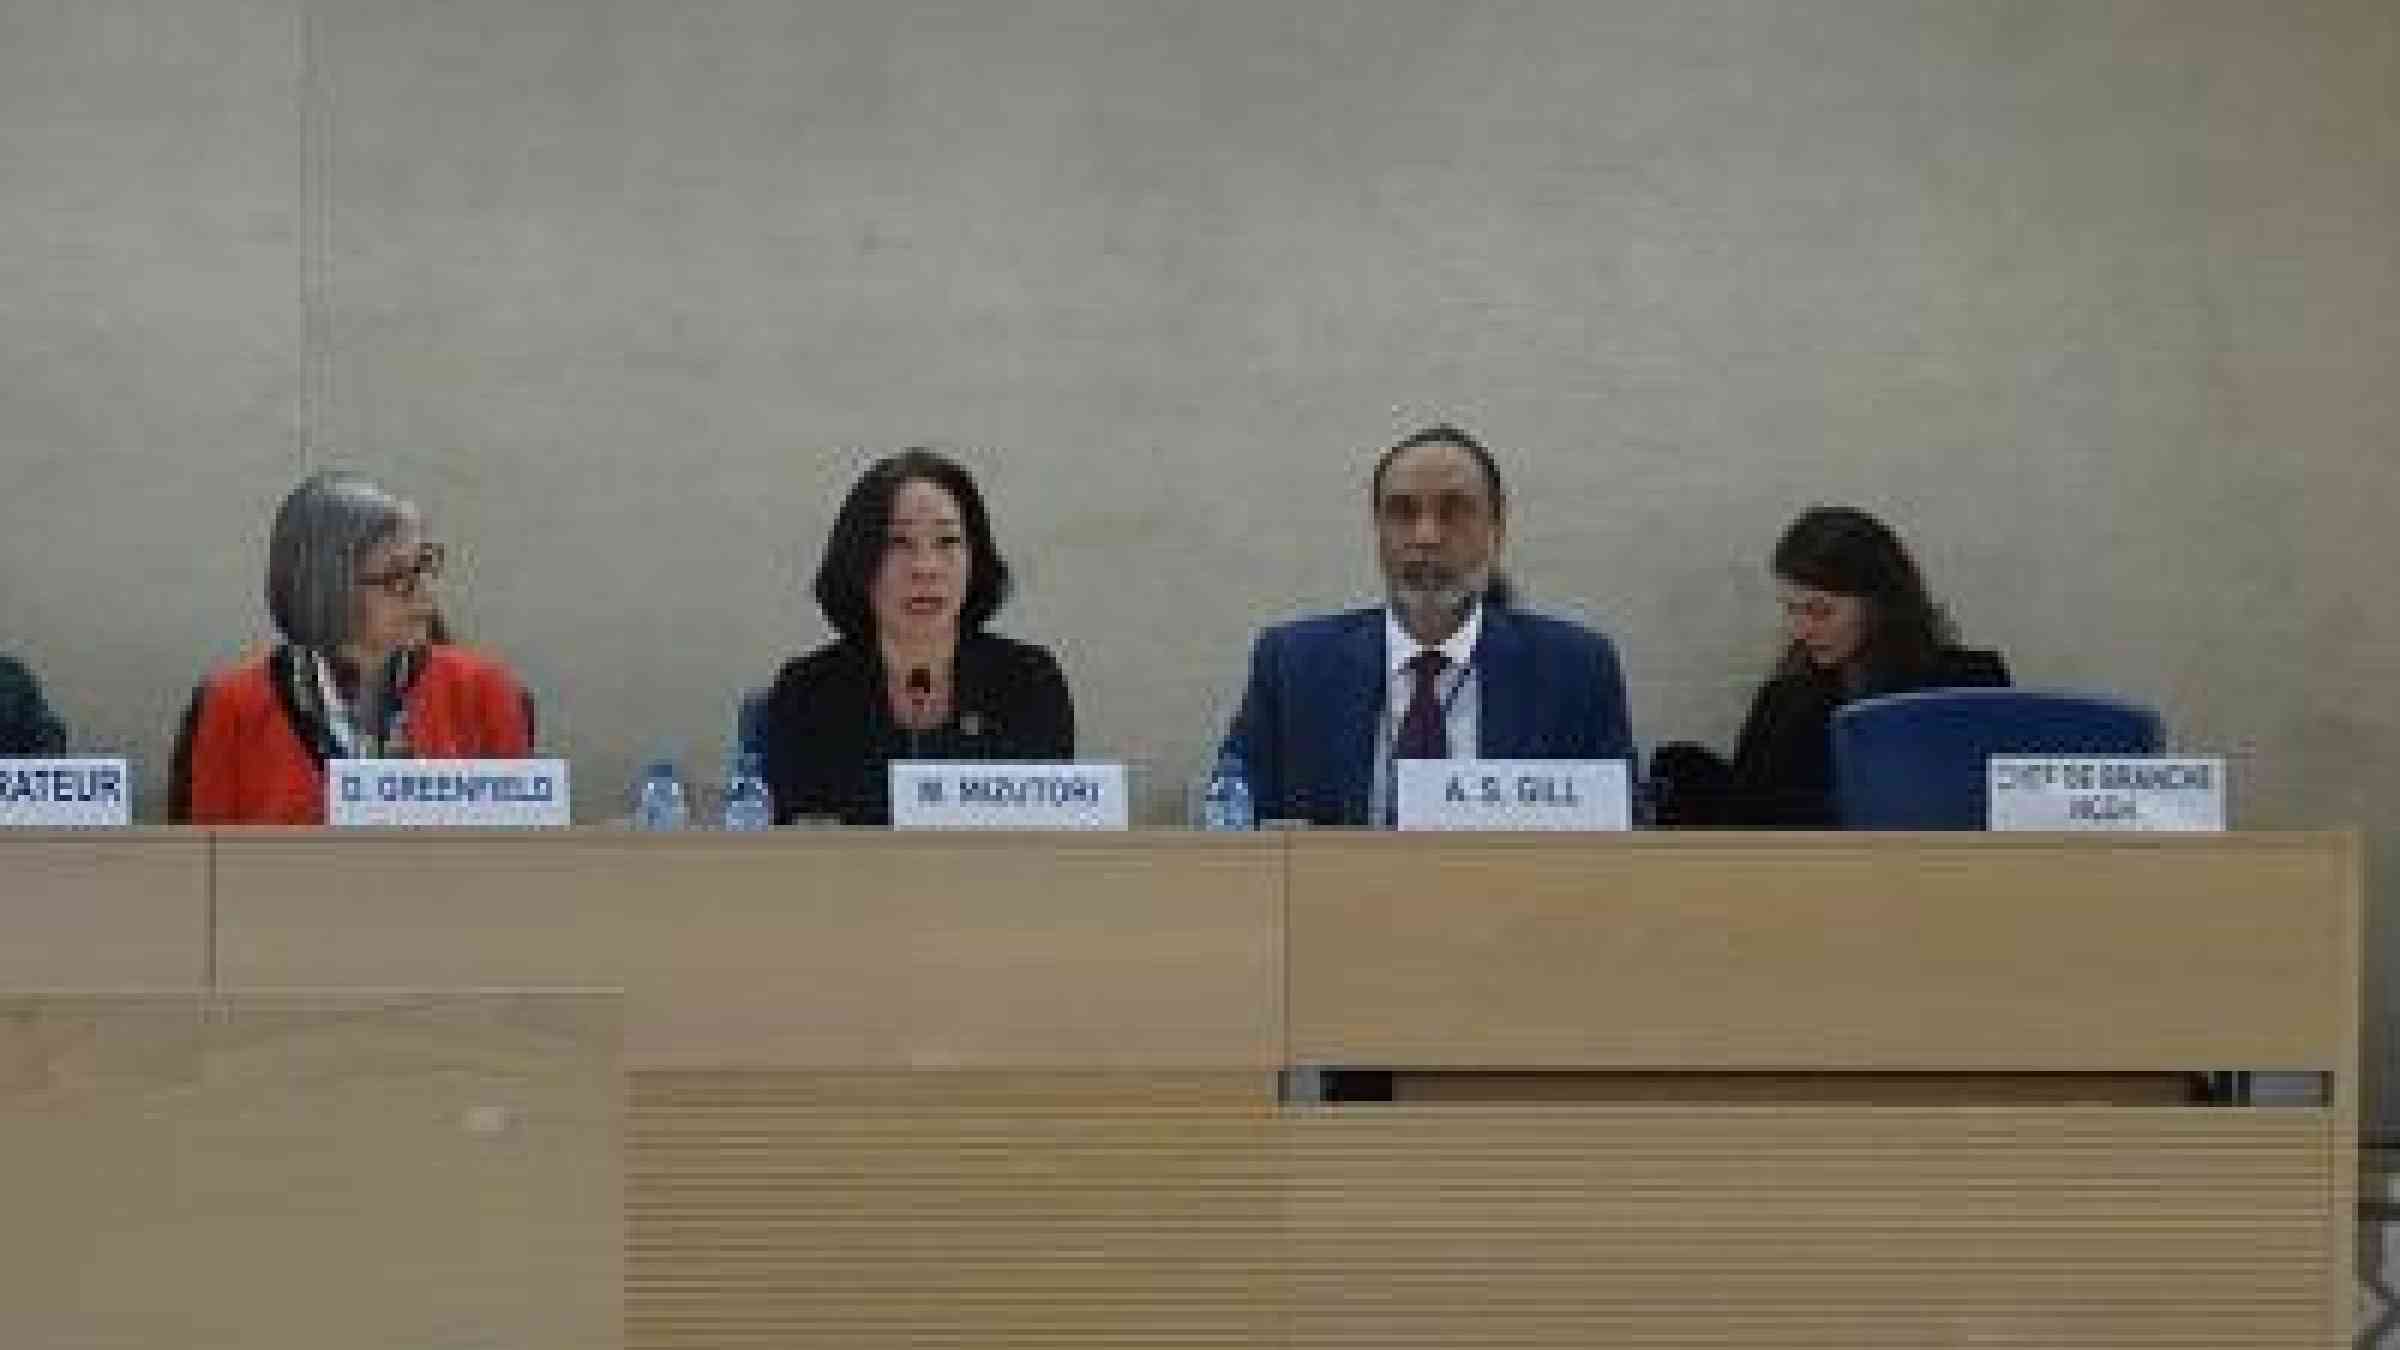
{"x": 920, "y": 696}
{"x": 379, "y": 703}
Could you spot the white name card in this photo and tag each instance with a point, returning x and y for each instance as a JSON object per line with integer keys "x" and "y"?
{"x": 988, "y": 796}
{"x": 1512, "y": 794}
{"x": 470, "y": 793}
{"x": 2055, "y": 792}
{"x": 65, "y": 793}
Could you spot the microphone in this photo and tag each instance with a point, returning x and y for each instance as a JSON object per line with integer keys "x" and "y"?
{"x": 920, "y": 696}
{"x": 386, "y": 704}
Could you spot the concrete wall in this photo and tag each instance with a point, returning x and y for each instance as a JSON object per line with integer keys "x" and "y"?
{"x": 2099, "y": 302}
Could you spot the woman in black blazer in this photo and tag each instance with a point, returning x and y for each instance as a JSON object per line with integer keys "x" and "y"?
{"x": 1861, "y": 625}
{"x": 910, "y": 577}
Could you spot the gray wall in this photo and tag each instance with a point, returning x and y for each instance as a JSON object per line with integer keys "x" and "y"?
{"x": 2099, "y": 302}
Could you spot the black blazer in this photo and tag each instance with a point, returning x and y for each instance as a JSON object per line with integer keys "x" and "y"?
{"x": 1782, "y": 771}
{"x": 831, "y": 738}
{"x": 27, "y": 726}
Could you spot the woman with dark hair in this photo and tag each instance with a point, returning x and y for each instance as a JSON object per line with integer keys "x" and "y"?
{"x": 1860, "y": 625}
{"x": 910, "y": 578}
{"x": 363, "y": 671}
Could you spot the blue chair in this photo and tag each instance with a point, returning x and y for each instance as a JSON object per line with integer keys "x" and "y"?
{"x": 1916, "y": 761}
{"x": 750, "y": 724}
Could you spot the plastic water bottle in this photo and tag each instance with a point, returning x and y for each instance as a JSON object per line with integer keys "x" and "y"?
{"x": 748, "y": 806}
{"x": 658, "y": 798}
{"x": 1225, "y": 800}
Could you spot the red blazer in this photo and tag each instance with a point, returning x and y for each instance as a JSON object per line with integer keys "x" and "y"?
{"x": 249, "y": 767}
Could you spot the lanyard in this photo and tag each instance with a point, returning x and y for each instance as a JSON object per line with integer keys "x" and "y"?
{"x": 340, "y": 722}
{"x": 341, "y": 719}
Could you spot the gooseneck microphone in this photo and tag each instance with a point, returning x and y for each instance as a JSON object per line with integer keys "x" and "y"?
{"x": 920, "y": 698}
{"x": 383, "y": 702}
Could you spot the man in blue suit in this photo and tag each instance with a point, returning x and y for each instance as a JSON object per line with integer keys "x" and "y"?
{"x": 1445, "y": 669}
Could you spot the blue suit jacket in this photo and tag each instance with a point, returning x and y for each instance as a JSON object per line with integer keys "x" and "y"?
{"x": 1309, "y": 721}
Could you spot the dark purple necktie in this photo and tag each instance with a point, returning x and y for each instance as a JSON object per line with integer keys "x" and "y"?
{"x": 1424, "y": 732}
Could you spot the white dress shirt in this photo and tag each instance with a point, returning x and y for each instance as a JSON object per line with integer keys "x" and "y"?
{"x": 1457, "y": 685}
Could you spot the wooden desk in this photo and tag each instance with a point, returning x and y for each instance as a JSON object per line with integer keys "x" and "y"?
{"x": 119, "y": 910}
{"x": 1825, "y": 952}
{"x": 821, "y": 950}
{"x": 371, "y": 1171}
{"x": 887, "y": 1089}
{"x": 1841, "y": 1038}
{"x": 982, "y": 1090}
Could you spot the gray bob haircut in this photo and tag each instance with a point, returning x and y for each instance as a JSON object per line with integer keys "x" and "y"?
{"x": 322, "y": 530}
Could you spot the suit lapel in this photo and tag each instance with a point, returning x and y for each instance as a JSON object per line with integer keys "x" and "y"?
{"x": 1356, "y": 705}
{"x": 1504, "y": 714}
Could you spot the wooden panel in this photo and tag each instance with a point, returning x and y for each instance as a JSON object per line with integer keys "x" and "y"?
{"x": 966, "y": 1210}
{"x": 800, "y": 949}
{"x": 957, "y": 1209}
{"x": 1823, "y": 1226}
{"x": 104, "y": 909}
{"x": 296, "y": 1173}
{"x": 994, "y": 1091}
{"x": 1856, "y": 952}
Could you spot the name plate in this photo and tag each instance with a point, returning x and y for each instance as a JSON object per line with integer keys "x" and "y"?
{"x": 1512, "y": 794}
{"x": 2061, "y": 792}
{"x": 467, "y": 793}
{"x": 77, "y": 794}
{"x": 989, "y": 796}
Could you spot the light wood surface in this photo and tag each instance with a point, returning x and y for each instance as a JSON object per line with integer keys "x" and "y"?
{"x": 104, "y": 909}
{"x": 834, "y": 949}
{"x": 292, "y": 1173}
{"x": 1790, "y": 1226}
{"x": 957, "y": 1209}
{"x": 1841, "y": 952}
{"x": 1016, "y": 1091}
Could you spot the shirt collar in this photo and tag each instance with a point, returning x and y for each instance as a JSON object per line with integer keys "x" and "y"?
{"x": 1401, "y": 647}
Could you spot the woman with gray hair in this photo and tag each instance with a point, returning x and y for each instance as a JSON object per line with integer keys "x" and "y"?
{"x": 363, "y": 672}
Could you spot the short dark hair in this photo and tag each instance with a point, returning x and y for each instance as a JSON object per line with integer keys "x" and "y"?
{"x": 1443, "y": 434}
{"x": 862, "y": 531}
{"x": 1846, "y": 551}
{"x": 1501, "y": 591}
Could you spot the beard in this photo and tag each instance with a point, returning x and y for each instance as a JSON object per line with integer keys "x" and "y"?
{"x": 1434, "y": 589}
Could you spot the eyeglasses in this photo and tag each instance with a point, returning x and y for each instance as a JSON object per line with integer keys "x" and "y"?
{"x": 403, "y": 582}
